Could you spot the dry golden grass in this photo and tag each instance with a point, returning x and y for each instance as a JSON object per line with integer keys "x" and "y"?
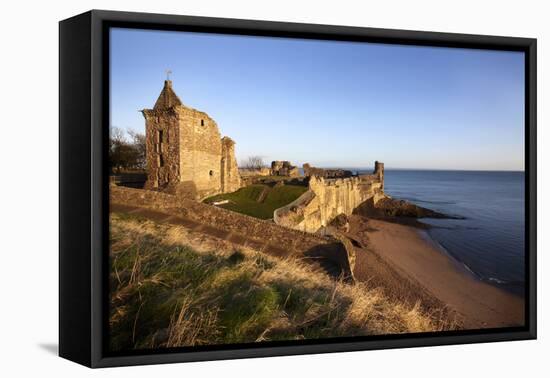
{"x": 173, "y": 287}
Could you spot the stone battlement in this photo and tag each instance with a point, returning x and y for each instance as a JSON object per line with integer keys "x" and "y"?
{"x": 326, "y": 173}
{"x": 353, "y": 180}
{"x": 329, "y": 197}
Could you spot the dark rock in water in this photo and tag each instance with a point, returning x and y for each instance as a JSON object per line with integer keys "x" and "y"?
{"x": 401, "y": 208}
{"x": 389, "y": 207}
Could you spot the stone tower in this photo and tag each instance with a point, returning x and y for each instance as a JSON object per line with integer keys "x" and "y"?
{"x": 185, "y": 152}
{"x": 379, "y": 172}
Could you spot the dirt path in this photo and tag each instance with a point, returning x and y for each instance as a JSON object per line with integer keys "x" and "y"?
{"x": 412, "y": 253}
{"x": 162, "y": 217}
{"x": 320, "y": 257}
{"x": 263, "y": 194}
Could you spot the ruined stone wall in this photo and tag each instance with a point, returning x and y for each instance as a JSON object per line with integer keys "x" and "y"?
{"x": 162, "y": 144}
{"x": 326, "y": 173}
{"x": 200, "y": 154}
{"x": 337, "y": 196}
{"x": 284, "y": 168}
{"x": 326, "y": 199}
{"x": 379, "y": 172}
{"x": 250, "y": 172}
{"x": 290, "y": 240}
{"x": 144, "y": 198}
{"x": 230, "y": 177}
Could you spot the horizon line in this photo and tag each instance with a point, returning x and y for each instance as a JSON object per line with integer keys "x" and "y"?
{"x": 427, "y": 169}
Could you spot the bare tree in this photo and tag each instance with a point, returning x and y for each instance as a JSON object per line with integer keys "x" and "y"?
{"x": 116, "y": 142}
{"x": 138, "y": 141}
{"x": 124, "y": 153}
{"x": 254, "y": 162}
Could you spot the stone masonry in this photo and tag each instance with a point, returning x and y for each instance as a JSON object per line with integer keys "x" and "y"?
{"x": 284, "y": 168}
{"x": 328, "y": 198}
{"x": 326, "y": 173}
{"x": 185, "y": 152}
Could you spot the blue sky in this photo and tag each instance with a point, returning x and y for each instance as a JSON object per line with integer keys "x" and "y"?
{"x": 332, "y": 104}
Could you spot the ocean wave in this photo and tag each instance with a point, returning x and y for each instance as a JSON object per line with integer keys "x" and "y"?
{"x": 403, "y": 195}
{"x": 469, "y": 270}
{"x": 455, "y": 228}
{"x": 435, "y": 202}
{"x": 451, "y": 255}
{"x": 496, "y": 280}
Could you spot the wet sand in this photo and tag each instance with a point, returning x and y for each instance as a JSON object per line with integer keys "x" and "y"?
{"x": 432, "y": 274}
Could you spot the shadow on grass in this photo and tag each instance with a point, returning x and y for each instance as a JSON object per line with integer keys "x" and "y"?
{"x": 331, "y": 258}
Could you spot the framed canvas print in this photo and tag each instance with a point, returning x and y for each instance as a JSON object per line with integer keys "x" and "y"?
{"x": 233, "y": 188}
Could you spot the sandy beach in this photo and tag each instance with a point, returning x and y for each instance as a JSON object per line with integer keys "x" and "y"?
{"x": 408, "y": 263}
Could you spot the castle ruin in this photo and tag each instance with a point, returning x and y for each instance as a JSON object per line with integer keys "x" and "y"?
{"x": 284, "y": 168}
{"x": 331, "y": 193}
{"x": 186, "y": 154}
{"x": 326, "y": 173}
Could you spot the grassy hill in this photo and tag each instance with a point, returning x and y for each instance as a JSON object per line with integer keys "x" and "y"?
{"x": 259, "y": 200}
{"x": 174, "y": 287}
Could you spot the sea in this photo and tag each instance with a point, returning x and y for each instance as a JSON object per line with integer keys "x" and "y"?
{"x": 489, "y": 240}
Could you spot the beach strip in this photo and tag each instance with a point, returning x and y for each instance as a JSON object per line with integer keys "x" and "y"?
{"x": 414, "y": 255}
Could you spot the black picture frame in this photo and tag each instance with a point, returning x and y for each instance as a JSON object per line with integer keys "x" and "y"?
{"x": 84, "y": 199}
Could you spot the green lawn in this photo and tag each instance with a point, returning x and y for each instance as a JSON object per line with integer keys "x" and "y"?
{"x": 245, "y": 200}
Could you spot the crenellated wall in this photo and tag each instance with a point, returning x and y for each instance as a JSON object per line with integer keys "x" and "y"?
{"x": 327, "y": 198}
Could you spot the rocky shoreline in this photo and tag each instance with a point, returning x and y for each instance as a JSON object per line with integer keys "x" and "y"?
{"x": 399, "y": 211}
